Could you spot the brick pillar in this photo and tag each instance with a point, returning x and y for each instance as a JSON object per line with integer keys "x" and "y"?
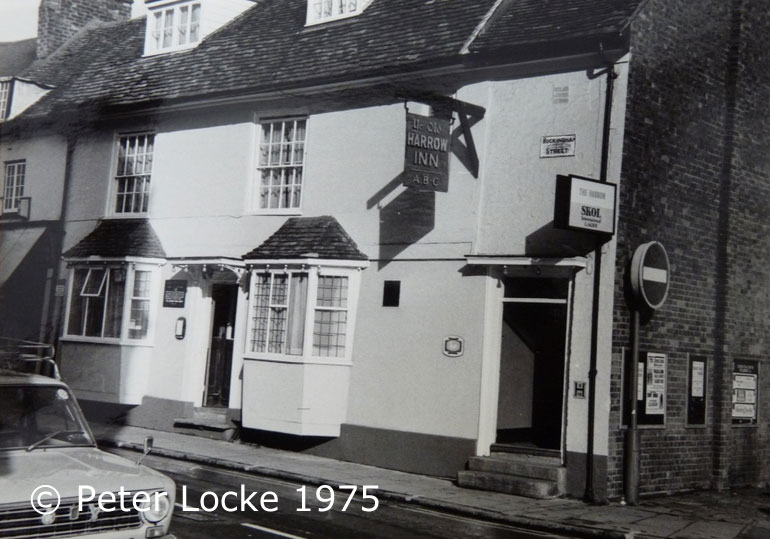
{"x": 59, "y": 20}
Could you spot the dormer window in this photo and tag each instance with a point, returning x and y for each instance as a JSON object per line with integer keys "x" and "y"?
{"x": 5, "y": 98}
{"x": 177, "y": 25}
{"x": 173, "y": 27}
{"x": 319, "y": 11}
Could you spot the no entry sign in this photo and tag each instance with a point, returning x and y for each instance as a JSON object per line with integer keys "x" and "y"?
{"x": 650, "y": 274}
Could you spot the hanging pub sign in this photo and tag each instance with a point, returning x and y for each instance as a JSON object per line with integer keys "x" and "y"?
{"x": 584, "y": 204}
{"x": 174, "y": 293}
{"x": 426, "y": 162}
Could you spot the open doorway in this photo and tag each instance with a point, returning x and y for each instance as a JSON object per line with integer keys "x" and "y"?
{"x": 532, "y": 363}
{"x": 225, "y": 300}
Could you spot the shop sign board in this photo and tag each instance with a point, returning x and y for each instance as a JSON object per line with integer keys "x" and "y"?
{"x": 745, "y": 392}
{"x": 585, "y": 204}
{"x": 426, "y": 161}
{"x": 557, "y": 146}
{"x": 650, "y": 274}
{"x": 174, "y": 293}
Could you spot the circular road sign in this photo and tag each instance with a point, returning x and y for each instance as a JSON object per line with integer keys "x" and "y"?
{"x": 650, "y": 274}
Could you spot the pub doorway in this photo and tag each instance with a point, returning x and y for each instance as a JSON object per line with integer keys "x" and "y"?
{"x": 219, "y": 367}
{"x": 535, "y": 322}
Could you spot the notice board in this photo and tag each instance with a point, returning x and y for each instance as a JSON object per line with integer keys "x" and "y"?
{"x": 651, "y": 395}
{"x": 745, "y": 392}
{"x": 697, "y": 387}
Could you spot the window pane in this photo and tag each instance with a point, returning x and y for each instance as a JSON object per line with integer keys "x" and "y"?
{"x": 94, "y": 282}
{"x": 77, "y": 305}
{"x": 115, "y": 291}
{"x": 329, "y": 333}
{"x": 94, "y": 316}
{"x": 297, "y": 308}
{"x": 332, "y": 292}
{"x": 195, "y": 23}
{"x": 261, "y": 301}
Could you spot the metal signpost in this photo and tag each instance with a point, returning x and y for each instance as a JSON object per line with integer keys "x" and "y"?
{"x": 650, "y": 279}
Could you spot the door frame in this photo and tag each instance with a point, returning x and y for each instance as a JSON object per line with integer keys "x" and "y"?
{"x": 492, "y": 347}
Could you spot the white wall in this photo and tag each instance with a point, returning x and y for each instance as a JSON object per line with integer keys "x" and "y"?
{"x": 46, "y": 157}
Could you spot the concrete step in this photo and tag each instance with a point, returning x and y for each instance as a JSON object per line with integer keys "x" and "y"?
{"x": 533, "y": 467}
{"x": 525, "y": 449}
{"x": 207, "y": 423}
{"x": 541, "y": 489}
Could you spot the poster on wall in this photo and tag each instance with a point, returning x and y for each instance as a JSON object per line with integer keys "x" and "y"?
{"x": 696, "y": 394}
{"x": 655, "y": 391}
{"x": 650, "y": 389}
{"x": 745, "y": 392}
{"x": 174, "y": 293}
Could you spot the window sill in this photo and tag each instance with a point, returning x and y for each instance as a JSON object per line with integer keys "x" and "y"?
{"x": 279, "y": 211}
{"x": 300, "y": 360}
{"x": 107, "y": 342}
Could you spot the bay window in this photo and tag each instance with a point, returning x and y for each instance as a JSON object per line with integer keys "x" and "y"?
{"x": 301, "y": 312}
{"x": 110, "y": 302}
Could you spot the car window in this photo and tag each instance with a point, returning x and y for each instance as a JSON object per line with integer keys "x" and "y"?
{"x": 40, "y": 416}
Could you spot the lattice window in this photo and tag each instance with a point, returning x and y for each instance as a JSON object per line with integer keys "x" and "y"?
{"x": 281, "y": 161}
{"x": 132, "y": 191}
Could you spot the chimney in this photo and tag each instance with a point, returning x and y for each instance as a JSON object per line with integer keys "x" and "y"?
{"x": 59, "y": 20}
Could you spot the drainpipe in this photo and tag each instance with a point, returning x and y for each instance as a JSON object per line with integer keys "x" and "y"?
{"x": 57, "y": 302}
{"x": 589, "y": 494}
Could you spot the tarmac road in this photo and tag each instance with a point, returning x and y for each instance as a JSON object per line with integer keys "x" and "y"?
{"x": 278, "y": 510}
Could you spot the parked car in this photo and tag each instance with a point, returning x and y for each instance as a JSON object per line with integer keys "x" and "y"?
{"x": 55, "y": 482}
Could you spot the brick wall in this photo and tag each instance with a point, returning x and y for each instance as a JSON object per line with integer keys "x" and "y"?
{"x": 59, "y": 20}
{"x": 696, "y": 177}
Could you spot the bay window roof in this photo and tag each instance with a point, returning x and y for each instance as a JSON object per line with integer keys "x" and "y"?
{"x": 119, "y": 238}
{"x": 308, "y": 238}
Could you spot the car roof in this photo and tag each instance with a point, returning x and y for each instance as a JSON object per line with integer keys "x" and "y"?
{"x": 8, "y": 377}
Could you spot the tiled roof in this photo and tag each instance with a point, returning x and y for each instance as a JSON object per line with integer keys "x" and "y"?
{"x": 522, "y": 22}
{"x": 96, "y": 41}
{"x": 15, "y": 56}
{"x": 308, "y": 237}
{"x": 117, "y": 238}
{"x": 268, "y": 48}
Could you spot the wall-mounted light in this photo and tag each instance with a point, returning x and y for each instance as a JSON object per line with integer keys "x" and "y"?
{"x": 180, "y": 327}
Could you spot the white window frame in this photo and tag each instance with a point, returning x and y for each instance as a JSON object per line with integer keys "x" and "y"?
{"x": 14, "y": 179}
{"x": 127, "y": 290}
{"x": 170, "y": 27}
{"x": 307, "y": 355}
{"x": 6, "y": 87}
{"x": 257, "y": 189}
{"x": 321, "y": 11}
{"x": 119, "y": 173}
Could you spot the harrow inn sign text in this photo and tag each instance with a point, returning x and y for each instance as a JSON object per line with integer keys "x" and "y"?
{"x": 584, "y": 204}
{"x": 426, "y": 163}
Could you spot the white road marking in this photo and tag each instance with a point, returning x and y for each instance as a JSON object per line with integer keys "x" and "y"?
{"x": 655, "y": 275}
{"x": 268, "y": 530}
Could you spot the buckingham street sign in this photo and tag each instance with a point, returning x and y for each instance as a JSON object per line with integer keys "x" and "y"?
{"x": 650, "y": 274}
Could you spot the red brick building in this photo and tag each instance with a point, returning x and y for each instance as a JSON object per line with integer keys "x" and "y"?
{"x": 695, "y": 177}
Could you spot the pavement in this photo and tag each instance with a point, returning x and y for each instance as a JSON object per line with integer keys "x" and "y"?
{"x": 739, "y": 514}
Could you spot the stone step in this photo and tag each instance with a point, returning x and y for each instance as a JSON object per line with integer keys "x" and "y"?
{"x": 214, "y": 426}
{"x": 541, "y": 489}
{"x": 525, "y": 450}
{"x": 520, "y": 465}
